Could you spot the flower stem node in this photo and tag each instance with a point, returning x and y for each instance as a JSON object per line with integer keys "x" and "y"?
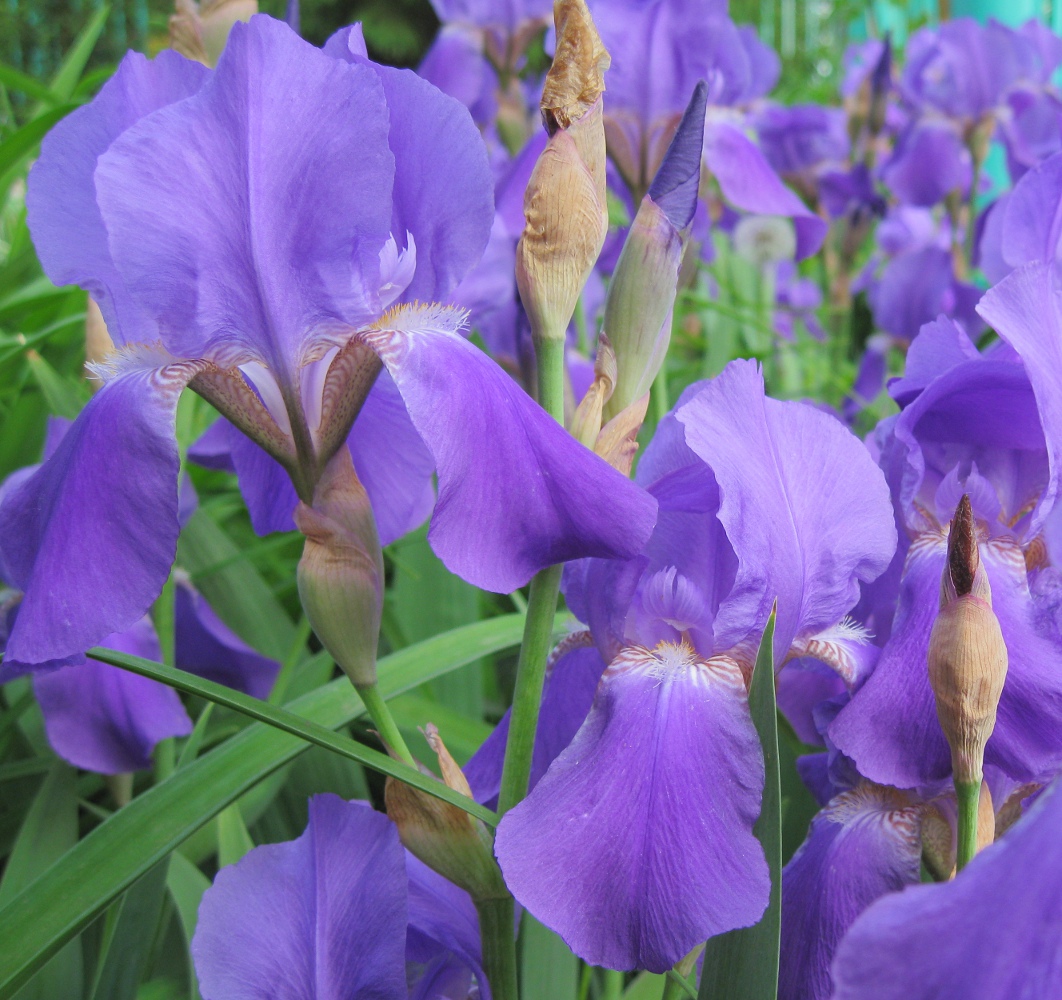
{"x": 967, "y": 654}
{"x": 447, "y": 839}
{"x": 341, "y": 573}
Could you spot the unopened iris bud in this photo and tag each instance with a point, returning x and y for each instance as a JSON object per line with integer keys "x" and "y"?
{"x": 199, "y": 30}
{"x": 967, "y": 655}
{"x": 565, "y": 211}
{"x": 641, "y": 294}
{"x": 447, "y": 839}
{"x": 341, "y": 573}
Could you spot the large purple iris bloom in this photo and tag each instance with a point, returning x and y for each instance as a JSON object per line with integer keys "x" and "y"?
{"x": 989, "y": 426}
{"x": 636, "y": 843}
{"x": 991, "y": 934}
{"x": 249, "y": 232}
{"x": 341, "y": 912}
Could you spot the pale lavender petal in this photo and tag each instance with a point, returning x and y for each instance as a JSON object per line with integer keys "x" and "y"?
{"x": 804, "y": 506}
{"x": 992, "y": 933}
{"x": 105, "y": 719}
{"x": 516, "y": 491}
{"x": 637, "y": 843}
{"x": 62, "y": 213}
{"x": 212, "y": 449}
{"x": 89, "y": 540}
{"x": 930, "y": 162}
{"x": 456, "y": 65}
{"x": 206, "y": 646}
{"x": 749, "y": 183}
{"x": 939, "y": 347}
{"x": 442, "y": 181}
{"x": 866, "y": 843}
{"x": 200, "y": 243}
{"x": 1032, "y": 222}
{"x": 318, "y": 918}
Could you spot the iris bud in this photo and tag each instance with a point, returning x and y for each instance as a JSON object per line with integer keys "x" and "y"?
{"x": 341, "y": 573}
{"x": 967, "y": 655}
{"x": 566, "y": 216}
{"x": 641, "y": 294}
{"x": 199, "y": 30}
{"x": 447, "y": 839}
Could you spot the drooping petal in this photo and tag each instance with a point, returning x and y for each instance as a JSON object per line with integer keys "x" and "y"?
{"x": 105, "y": 719}
{"x": 1024, "y": 310}
{"x": 90, "y": 540}
{"x": 62, "y": 213}
{"x": 516, "y": 492}
{"x": 570, "y": 686}
{"x": 637, "y": 843}
{"x": 206, "y": 646}
{"x": 992, "y": 933}
{"x": 804, "y": 506}
{"x": 318, "y": 918}
{"x": 865, "y": 843}
{"x": 443, "y": 192}
{"x": 250, "y": 218}
{"x": 749, "y": 183}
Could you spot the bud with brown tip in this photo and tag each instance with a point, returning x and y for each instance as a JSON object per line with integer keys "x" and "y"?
{"x": 447, "y": 839}
{"x": 341, "y": 573}
{"x": 967, "y": 655}
{"x": 564, "y": 206}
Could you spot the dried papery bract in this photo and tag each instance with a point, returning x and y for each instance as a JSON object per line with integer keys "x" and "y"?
{"x": 940, "y": 832}
{"x": 199, "y": 30}
{"x": 967, "y": 655}
{"x": 445, "y": 838}
{"x": 564, "y": 205}
{"x": 341, "y": 573}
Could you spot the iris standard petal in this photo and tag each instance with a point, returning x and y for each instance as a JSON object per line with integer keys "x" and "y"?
{"x": 62, "y": 213}
{"x": 105, "y": 719}
{"x": 90, "y": 541}
{"x": 804, "y": 506}
{"x": 250, "y": 219}
{"x": 516, "y": 491}
{"x": 318, "y": 918}
{"x": 637, "y": 843}
{"x": 443, "y": 191}
{"x": 992, "y": 933}
{"x": 865, "y": 843}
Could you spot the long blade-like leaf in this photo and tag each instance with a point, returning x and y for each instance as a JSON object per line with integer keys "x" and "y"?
{"x": 744, "y": 963}
{"x": 66, "y": 898}
{"x": 289, "y": 722}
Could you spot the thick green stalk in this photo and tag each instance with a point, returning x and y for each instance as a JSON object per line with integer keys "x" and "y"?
{"x": 385, "y": 723}
{"x": 613, "y": 985}
{"x": 496, "y": 923}
{"x": 969, "y": 795}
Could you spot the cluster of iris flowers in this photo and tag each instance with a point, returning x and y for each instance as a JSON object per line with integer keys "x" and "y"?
{"x": 306, "y": 239}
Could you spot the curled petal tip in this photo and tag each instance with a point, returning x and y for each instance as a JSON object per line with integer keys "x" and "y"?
{"x": 577, "y": 77}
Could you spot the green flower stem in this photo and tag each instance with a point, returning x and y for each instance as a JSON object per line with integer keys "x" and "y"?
{"x": 613, "y": 986}
{"x": 660, "y": 397}
{"x": 496, "y": 923}
{"x": 385, "y": 723}
{"x": 969, "y": 795}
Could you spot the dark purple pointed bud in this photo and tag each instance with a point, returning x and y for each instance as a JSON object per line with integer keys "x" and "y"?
{"x": 641, "y": 295}
{"x": 675, "y": 185}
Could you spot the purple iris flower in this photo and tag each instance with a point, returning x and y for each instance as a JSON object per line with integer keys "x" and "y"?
{"x": 802, "y": 140}
{"x": 759, "y": 500}
{"x": 660, "y": 50}
{"x": 990, "y": 934}
{"x": 245, "y": 235}
{"x": 343, "y": 911}
{"x": 986, "y": 425}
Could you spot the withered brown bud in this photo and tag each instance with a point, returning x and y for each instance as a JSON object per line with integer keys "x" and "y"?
{"x": 447, "y": 839}
{"x": 564, "y": 205}
{"x": 586, "y": 422}
{"x": 341, "y": 573}
{"x": 967, "y": 654}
